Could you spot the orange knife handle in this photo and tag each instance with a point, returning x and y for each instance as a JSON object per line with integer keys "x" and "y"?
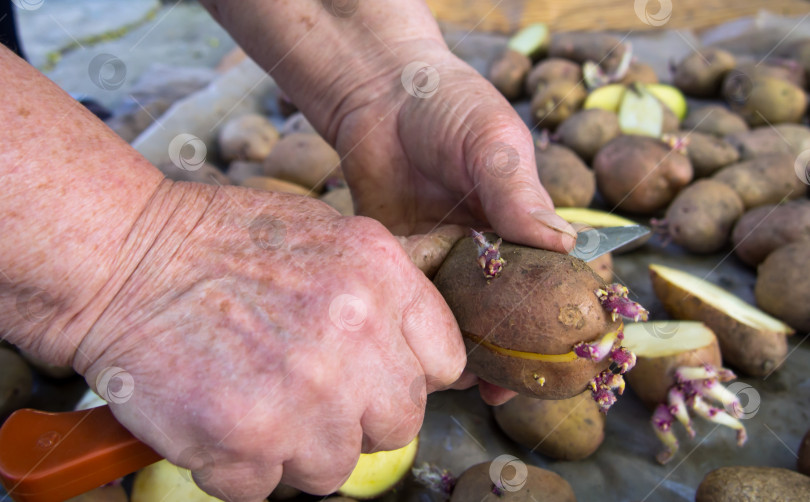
{"x": 50, "y": 457}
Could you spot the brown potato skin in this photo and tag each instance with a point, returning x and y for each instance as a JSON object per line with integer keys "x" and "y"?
{"x": 767, "y": 179}
{"x": 754, "y": 352}
{"x": 509, "y": 73}
{"x": 269, "y": 184}
{"x": 552, "y": 70}
{"x": 781, "y": 138}
{"x": 769, "y": 100}
{"x": 303, "y": 158}
{"x": 340, "y": 199}
{"x": 602, "y": 48}
{"x": 565, "y": 429}
{"x": 565, "y": 177}
{"x": 716, "y": 120}
{"x": 475, "y": 484}
{"x": 803, "y": 462}
{"x": 783, "y": 285}
{"x": 603, "y": 266}
{"x": 639, "y": 174}
{"x": 702, "y": 215}
{"x": 543, "y": 302}
{"x": 708, "y": 153}
{"x": 652, "y": 377}
{"x": 641, "y": 73}
{"x": 555, "y": 102}
{"x": 586, "y": 131}
{"x": 701, "y": 73}
{"x": 765, "y": 228}
{"x": 249, "y": 137}
{"x": 763, "y": 484}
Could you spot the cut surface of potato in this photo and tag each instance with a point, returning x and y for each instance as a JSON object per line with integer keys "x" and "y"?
{"x": 376, "y": 473}
{"x": 641, "y": 113}
{"x": 661, "y": 347}
{"x": 732, "y": 305}
{"x": 593, "y": 217}
{"x": 165, "y": 481}
{"x": 750, "y": 339}
{"x": 666, "y": 338}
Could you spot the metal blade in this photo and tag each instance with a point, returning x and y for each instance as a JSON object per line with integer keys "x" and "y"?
{"x": 594, "y": 242}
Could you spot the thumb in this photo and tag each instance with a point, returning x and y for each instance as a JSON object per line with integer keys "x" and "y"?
{"x": 514, "y": 202}
{"x": 428, "y": 251}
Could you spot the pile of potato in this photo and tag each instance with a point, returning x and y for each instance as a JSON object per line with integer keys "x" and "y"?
{"x": 251, "y": 152}
{"x": 726, "y": 174}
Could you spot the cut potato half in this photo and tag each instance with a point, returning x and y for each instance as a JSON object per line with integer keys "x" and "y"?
{"x": 750, "y": 339}
{"x": 376, "y": 473}
{"x": 165, "y": 481}
{"x": 661, "y": 347}
{"x": 641, "y": 113}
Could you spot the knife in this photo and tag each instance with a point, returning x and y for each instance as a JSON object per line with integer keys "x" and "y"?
{"x": 50, "y": 457}
{"x": 594, "y": 242}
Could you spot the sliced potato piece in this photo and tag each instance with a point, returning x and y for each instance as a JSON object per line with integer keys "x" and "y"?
{"x": 531, "y": 40}
{"x": 593, "y": 217}
{"x": 641, "y": 113}
{"x": 607, "y": 97}
{"x": 376, "y": 473}
{"x": 661, "y": 347}
{"x": 750, "y": 339}
{"x": 671, "y": 97}
{"x": 165, "y": 481}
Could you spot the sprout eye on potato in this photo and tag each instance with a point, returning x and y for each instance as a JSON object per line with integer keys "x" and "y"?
{"x": 560, "y": 346}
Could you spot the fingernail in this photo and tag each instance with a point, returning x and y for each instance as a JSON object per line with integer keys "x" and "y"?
{"x": 553, "y": 221}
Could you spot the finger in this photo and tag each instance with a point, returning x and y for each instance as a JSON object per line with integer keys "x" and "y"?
{"x": 466, "y": 380}
{"x": 324, "y": 459}
{"x": 428, "y": 251}
{"x": 238, "y": 482}
{"x": 494, "y": 395}
{"x": 432, "y": 333}
{"x": 515, "y": 204}
{"x": 394, "y": 414}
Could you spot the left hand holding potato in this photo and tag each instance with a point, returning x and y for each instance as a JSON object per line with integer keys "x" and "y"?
{"x": 423, "y": 138}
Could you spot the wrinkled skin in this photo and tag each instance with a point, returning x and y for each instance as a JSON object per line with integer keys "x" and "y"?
{"x": 246, "y": 363}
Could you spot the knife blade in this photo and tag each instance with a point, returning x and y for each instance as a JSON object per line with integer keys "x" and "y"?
{"x": 594, "y": 242}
